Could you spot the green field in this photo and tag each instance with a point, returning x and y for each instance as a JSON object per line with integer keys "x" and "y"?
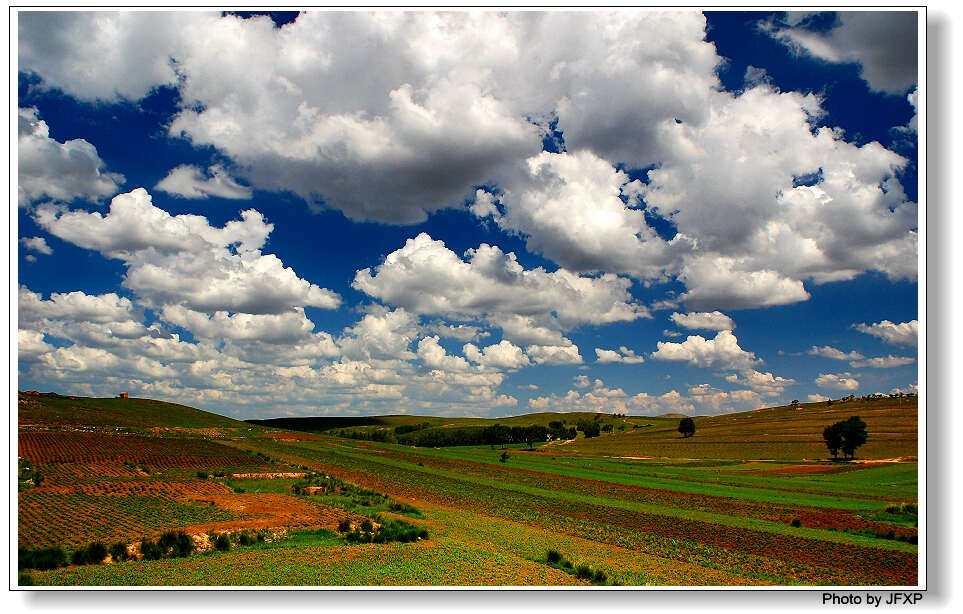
{"x": 751, "y": 499}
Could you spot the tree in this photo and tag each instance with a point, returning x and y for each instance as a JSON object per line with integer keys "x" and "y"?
{"x": 846, "y": 435}
{"x": 687, "y": 427}
{"x": 591, "y": 429}
{"x": 833, "y": 439}
{"x": 854, "y": 435}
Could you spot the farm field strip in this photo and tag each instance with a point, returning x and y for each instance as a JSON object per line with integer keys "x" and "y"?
{"x": 423, "y": 563}
{"x": 608, "y": 493}
{"x": 628, "y": 566}
{"x": 782, "y": 558}
{"x": 551, "y": 471}
{"x": 727, "y": 519}
{"x": 81, "y": 518}
{"x": 788, "y": 490}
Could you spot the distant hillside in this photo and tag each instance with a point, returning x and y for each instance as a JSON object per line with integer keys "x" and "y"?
{"x": 320, "y": 424}
{"x": 778, "y": 433}
{"x": 51, "y": 409}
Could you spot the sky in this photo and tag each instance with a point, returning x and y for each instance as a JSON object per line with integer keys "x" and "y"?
{"x": 468, "y": 213}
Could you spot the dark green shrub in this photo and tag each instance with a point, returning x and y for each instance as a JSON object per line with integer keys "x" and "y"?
{"x": 91, "y": 554}
{"x": 796, "y": 523}
{"x": 41, "y": 559}
{"x": 118, "y": 552}
{"x": 366, "y": 526}
{"x": 503, "y": 458}
{"x": 584, "y": 572}
{"x": 245, "y": 539}
{"x": 149, "y": 550}
{"x": 344, "y": 526}
{"x": 222, "y": 542}
{"x": 553, "y": 556}
{"x": 202, "y": 475}
{"x": 599, "y": 577}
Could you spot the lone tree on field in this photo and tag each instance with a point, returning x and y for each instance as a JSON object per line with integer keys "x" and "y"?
{"x": 846, "y": 435}
{"x": 687, "y": 427}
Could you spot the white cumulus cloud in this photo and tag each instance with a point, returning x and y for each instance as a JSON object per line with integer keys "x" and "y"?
{"x": 715, "y": 320}
{"x": 904, "y": 333}
{"x": 721, "y": 352}
{"x": 49, "y": 169}
{"x": 189, "y": 181}
{"x": 183, "y": 260}
{"x": 837, "y": 381}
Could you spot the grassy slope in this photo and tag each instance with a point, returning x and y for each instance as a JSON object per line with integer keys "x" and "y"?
{"x": 116, "y": 412}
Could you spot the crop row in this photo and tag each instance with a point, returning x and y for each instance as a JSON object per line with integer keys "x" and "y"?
{"x": 72, "y": 447}
{"x": 153, "y": 488}
{"x": 47, "y": 519}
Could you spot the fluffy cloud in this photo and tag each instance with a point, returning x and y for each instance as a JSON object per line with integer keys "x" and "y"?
{"x": 49, "y": 169}
{"x": 827, "y": 351}
{"x": 101, "y": 55}
{"x": 282, "y": 328}
{"x": 904, "y": 333}
{"x": 570, "y": 207}
{"x": 723, "y": 282}
{"x": 381, "y": 334}
{"x": 837, "y": 381}
{"x": 503, "y": 355}
{"x": 884, "y": 43}
{"x": 884, "y": 362}
{"x": 715, "y": 320}
{"x": 31, "y": 345}
{"x": 722, "y": 352}
{"x": 457, "y": 100}
{"x": 817, "y": 398}
{"x": 74, "y": 307}
{"x": 183, "y": 260}
{"x": 702, "y": 399}
{"x": 462, "y": 100}
{"x": 189, "y": 181}
{"x": 765, "y": 233}
{"x": 765, "y": 384}
{"x": 623, "y": 354}
{"x": 36, "y": 244}
{"x": 461, "y": 332}
{"x": 435, "y": 357}
{"x": 425, "y": 277}
{"x": 554, "y": 354}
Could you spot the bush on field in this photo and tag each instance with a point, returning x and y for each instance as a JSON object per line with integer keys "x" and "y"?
{"x": 387, "y": 531}
{"x": 222, "y": 542}
{"x": 41, "y": 558}
{"x": 118, "y": 552}
{"x": 176, "y": 544}
{"x": 583, "y": 572}
{"x": 90, "y": 554}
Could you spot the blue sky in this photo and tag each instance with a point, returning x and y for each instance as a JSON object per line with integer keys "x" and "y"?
{"x": 468, "y": 213}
